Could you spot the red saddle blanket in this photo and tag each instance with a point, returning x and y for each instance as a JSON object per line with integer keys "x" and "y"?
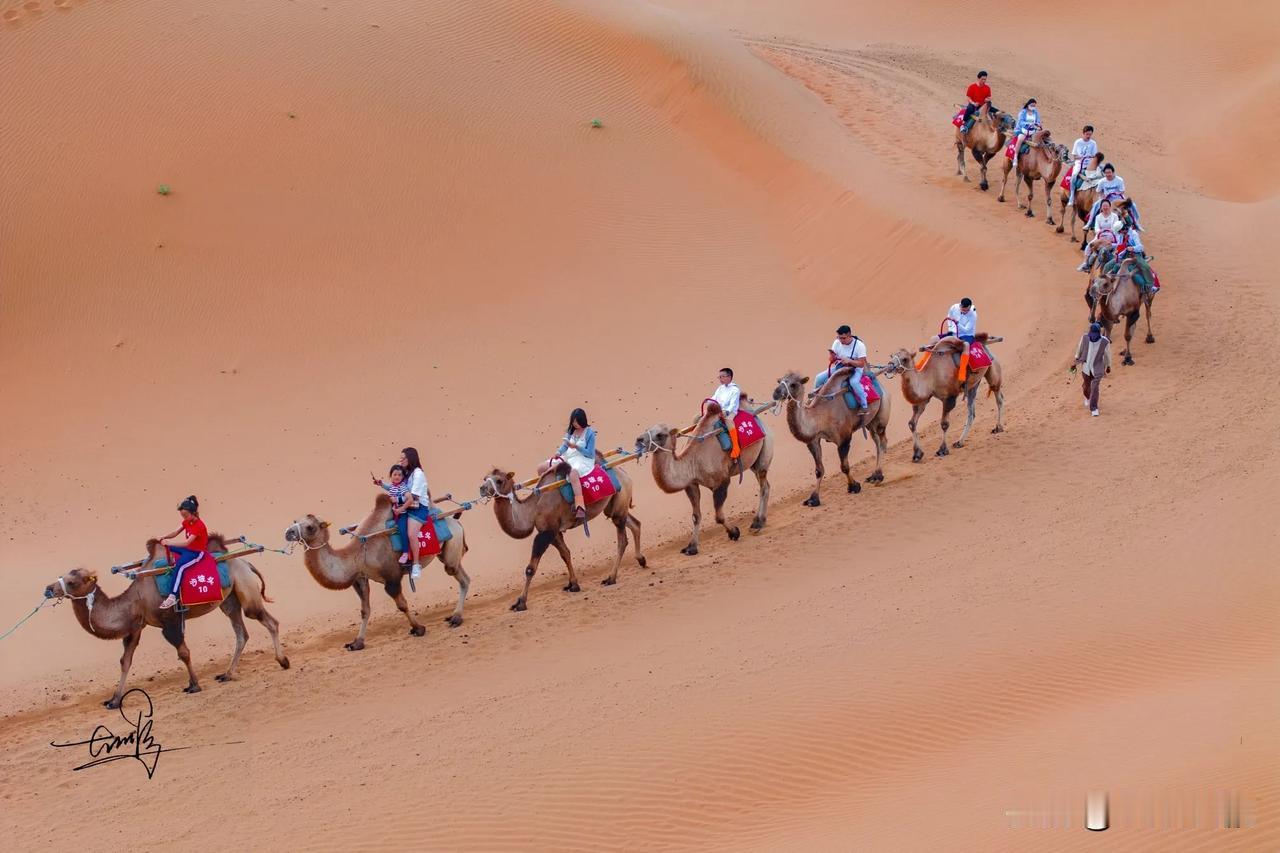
{"x": 749, "y": 429}
{"x": 978, "y": 355}
{"x": 1066, "y": 181}
{"x": 869, "y": 389}
{"x": 428, "y": 542}
{"x": 200, "y": 583}
{"x": 597, "y": 486}
{"x": 958, "y": 118}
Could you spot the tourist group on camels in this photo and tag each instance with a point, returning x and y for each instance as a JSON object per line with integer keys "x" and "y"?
{"x": 580, "y": 487}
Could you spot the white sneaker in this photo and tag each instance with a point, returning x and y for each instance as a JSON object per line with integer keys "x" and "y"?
{"x": 416, "y": 572}
{"x": 1094, "y": 412}
{"x": 1086, "y": 402}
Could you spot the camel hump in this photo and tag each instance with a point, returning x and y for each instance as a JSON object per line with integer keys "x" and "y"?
{"x": 948, "y": 345}
{"x": 217, "y": 542}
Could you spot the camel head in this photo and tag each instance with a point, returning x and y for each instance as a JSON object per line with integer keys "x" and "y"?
{"x": 660, "y": 437}
{"x": 308, "y": 530}
{"x": 76, "y": 583}
{"x": 1006, "y": 121}
{"x": 790, "y": 387}
{"x": 899, "y": 362}
{"x": 497, "y": 483}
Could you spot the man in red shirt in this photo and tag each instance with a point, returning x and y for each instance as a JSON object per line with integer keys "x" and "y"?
{"x": 978, "y": 93}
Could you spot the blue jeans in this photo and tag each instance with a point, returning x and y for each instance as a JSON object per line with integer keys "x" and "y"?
{"x": 183, "y": 559}
{"x": 855, "y": 383}
{"x": 968, "y": 339}
{"x": 419, "y": 513}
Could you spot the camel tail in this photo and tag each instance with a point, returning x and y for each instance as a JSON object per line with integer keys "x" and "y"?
{"x": 268, "y": 599}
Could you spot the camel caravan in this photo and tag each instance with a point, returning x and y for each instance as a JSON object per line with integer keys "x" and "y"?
{"x": 1121, "y": 283}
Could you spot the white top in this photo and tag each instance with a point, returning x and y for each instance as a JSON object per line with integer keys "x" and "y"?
{"x": 729, "y": 397}
{"x": 1106, "y": 222}
{"x": 1111, "y": 188}
{"x": 1135, "y": 242}
{"x": 1083, "y": 149}
{"x": 856, "y": 348}
{"x": 966, "y": 324}
{"x": 418, "y": 487}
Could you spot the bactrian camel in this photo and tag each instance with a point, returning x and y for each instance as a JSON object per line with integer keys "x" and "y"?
{"x": 829, "y": 418}
{"x": 703, "y": 464}
{"x": 125, "y": 616}
{"x": 374, "y": 560}
{"x": 1080, "y": 210}
{"x": 1113, "y": 295}
{"x": 985, "y": 139}
{"x": 550, "y": 515}
{"x": 938, "y": 379}
{"x": 1042, "y": 162}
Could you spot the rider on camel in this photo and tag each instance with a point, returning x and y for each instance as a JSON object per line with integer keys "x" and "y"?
{"x": 1028, "y": 123}
{"x": 978, "y": 93}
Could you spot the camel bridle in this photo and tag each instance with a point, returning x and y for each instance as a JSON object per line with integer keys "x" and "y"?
{"x": 296, "y": 527}
{"x": 492, "y": 482}
{"x": 87, "y": 598}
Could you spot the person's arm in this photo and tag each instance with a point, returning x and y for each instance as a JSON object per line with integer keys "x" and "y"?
{"x": 588, "y": 446}
{"x": 564, "y": 447}
{"x": 1080, "y": 351}
{"x": 1106, "y": 354}
{"x": 735, "y": 401}
{"x": 170, "y": 536}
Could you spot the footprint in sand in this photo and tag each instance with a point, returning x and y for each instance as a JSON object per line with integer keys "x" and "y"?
{"x": 11, "y": 15}
{"x": 62, "y": 4}
{"x": 32, "y": 7}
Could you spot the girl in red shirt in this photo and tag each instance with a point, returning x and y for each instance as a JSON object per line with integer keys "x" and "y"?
{"x": 190, "y": 551}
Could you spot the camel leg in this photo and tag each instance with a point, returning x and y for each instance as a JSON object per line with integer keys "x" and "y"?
{"x": 395, "y": 589}
{"x": 815, "y": 448}
{"x": 881, "y": 442}
{"x": 1017, "y": 190}
{"x": 947, "y": 405}
{"x": 1048, "y": 202}
{"x": 464, "y": 585}
{"x": 999, "y": 427}
{"x": 235, "y": 613}
{"x": 131, "y": 641}
{"x": 694, "y": 494}
{"x": 1130, "y": 320}
{"x": 970, "y": 397}
{"x": 1005, "y": 182}
{"x": 562, "y": 548}
{"x": 361, "y": 586}
{"x": 762, "y": 510}
{"x": 842, "y": 449}
{"x": 620, "y": 523}
{"x": 1062, "y": 215}
{"x": 1031, "y": 194}
{"x": 718, "y": 497}
{"x": 983, "y": 160}
{"x": 1073, "y": 222}
{"x": 255, "y": 610}
{"x": 541, "y": 541}
{"x": 917, "y": 452}
{"x": 1151, "y": 339}
{"x": 633, "y": 524}
{"x": 172, "y": 630}
{"x": 960, "y": 169}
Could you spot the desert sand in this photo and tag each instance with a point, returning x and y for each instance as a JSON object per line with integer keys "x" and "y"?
{"x": 392, "y": 224}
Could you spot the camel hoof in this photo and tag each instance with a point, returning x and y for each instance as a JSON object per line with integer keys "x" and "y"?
{"x": 942, "y": 451}
{"x": 418, "y": 631}
{"x": 111, "y": 703}
{"x": 642, "y": 561}
{"x": 984, "y": 186}
{"x": 855, "y": 487}
{"x": 917, "y": 456}
{"x": 812, "y": 500}
{"x": 354, "y": 645}
{"x": 572, "y": 586}
{"x": 757, "y": 525}
{"x": 284, "y": 663}
{"x": 1000, "y": 199}
{"x": 226, "y": 676}
{"x": 453, "y": 621}
{"x": 958, "y": 444}
{"x": 608, "y": 582}
{"x": 520, "y": 606}
{"x": 1151, "y": 339}
{"x": 734, "y": 533}
{"x": 997, "y": 430}
{"x": 1030, "y": 215}
{"x": 1059, "y": 229}
{"x": 1127, "y": 360}
{"x": 191, "y": 688}
{"x": 689, "y": 550}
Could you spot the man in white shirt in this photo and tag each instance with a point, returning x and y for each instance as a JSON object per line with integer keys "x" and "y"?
{"x": 729, "y": 397}
{"x": 965, "y": 316}
{"x": 1082, "y": 151}
{"x": 847, "y": 350}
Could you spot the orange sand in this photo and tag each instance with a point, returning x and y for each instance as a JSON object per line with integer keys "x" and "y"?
{"x": 393, "y": 224}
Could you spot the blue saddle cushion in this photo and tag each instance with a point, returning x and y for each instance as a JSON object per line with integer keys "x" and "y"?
{"x": 566, "y": 491}
{"x": 443, "y": 533}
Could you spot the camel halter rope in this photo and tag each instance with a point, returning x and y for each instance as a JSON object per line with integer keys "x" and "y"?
{"x": 88, "y": 600}
{"x": 45, "y": 602}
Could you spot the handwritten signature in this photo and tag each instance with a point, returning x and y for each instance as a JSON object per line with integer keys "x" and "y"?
{"x": 140, "y": 744}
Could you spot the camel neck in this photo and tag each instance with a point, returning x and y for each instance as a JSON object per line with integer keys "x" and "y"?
{"x": 103, "y": 615}
{"x": 516, "y": 517}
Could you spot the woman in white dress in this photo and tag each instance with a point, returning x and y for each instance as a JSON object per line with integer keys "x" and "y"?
{"x": 579, "y": 450}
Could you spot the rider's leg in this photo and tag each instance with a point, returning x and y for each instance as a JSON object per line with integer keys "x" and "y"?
{"x": 963, "y": 373}
{"x": 734, "y": 450}
{"x": 855, "y": 385}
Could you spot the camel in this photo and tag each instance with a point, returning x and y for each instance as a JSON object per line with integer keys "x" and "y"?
{"x": 985, "y": 139}
{"x": 551, "y": 515}
{"x": 126, "y": 615}
{"x": 938, "y": 379}
{"x": 1113, "y": 295}
{"x": 1079, "y": 210}
{"x": 373, "y": 559}
{"x": 830, "y": 419}
{"x": 1042, "y": 162}
{"x": 704, "y": 465}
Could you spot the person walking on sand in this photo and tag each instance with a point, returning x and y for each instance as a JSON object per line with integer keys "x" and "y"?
{"x": 1093, "y": 357}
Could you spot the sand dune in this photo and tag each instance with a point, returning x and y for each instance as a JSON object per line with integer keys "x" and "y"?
{"x": 392, "y": 224}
